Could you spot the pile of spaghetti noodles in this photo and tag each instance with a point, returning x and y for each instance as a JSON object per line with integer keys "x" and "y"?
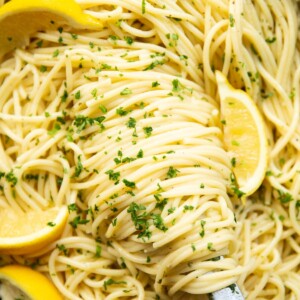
{"x": 122, "y": 126}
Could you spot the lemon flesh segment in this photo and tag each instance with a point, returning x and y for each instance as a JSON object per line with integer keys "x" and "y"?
{"x": 244, "y": 136}
{"x": 19, "y": 19}
{"x": 24, "y": 233}
{"x": 19, "y": 282}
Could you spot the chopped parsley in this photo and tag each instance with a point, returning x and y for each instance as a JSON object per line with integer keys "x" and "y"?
{"x": 77, "y": 221}
{"x": 143, "y": 6}
{"x": 148, "y": 131}
{"x": 231, "y": 20}
{"x": 98, "y": 251}
{"x": 43, "y": 68}
{"x": 121, "y": 112}
{"x": 114, "y": 176}
{"x": 284, "y": 197}
{"x": 79, "y": 167}
{"x": 55, "y": 53}
{"x": 155, "y": 84}
{"x": 140, "y": 218}
{"x": 210, "y": 246}
{"x": 202, "y": 232}
{"x": 11, "y": 177}
{"x": 172, "y": 172}
{"x": 111, "y": 281}
{"x": 81, "y": 122}
{"x": 131, "y": 123}
{"x": 128, "y": 40}
{"x": 128, "y": 183}
{"x": 126, "y": 91}
{"x": 270, "y": 40}
{"x": 54, "y": 130}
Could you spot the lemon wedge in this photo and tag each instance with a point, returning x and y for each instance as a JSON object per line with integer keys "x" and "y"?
{"x": 24, "y": 233}
{"x": 19, "y": 282}
{"x": 244, "y": 136}
{"x": 19, "y": 19}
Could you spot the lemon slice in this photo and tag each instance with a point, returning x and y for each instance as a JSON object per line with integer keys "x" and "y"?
{"x": 244, "y": 136}
{"x": 19, "y": 18}
{"x": 19, "y": 282}
{"x": 24, "y": 233}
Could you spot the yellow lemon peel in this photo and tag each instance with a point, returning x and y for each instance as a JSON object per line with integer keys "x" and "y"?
{"x": 244, "y": 136}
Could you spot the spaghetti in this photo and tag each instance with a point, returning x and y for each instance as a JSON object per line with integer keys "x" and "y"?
{"x": 122, "y": 126}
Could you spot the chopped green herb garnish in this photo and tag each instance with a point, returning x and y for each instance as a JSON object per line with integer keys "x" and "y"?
{"x": 43, "y": 69}
{"x": 284, "y": 197}
{"x": 78, "y": 221}
{"x": 210, "y": 247}
{"x": 77, "y": 95}
{"x": 72, "y": 207}
{"x": 114, "y": 176}
{"x": 148, "y": 131}
{"x": 270, "y": 40}
{"x": 143, "y": 6}
{"x": 126, "y": 91}
{"x": 55, "y": 53}
{"x": 128, "y": 40}
{"x": 231, "y": 20}
{"x": 155, "y": 84}
{"x": 131, "y": 123}
{"x": 172, "y": 172}
{"x": 98, "y": 251}
{"x": 79, "y": 167}
{"x": 121, "y": 112}
{"x": 128, "y": 183}
{"x": 54, "y": 130}
{"x": 111, "y": 281}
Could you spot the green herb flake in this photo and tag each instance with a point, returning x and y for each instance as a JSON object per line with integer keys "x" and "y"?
{"x": 271, "y": 40}
{"x": 231, "y": 20}
{"x": 72, "y": 207}
{"x": 55, "y": 53}
{"x": 114, "y": 222}
{"x": 77, "y": 95}
{"x": 74, "y": 36}
{"x": 111, "y": 281}
{"x": 143, "y": 6}
{"x": 172, "y": 172}
{"x": 78, "y": 167}
{"x": 114, "y": 176}
{"x": 51, "y": 224}
{"x": 210, "y": 246}
{"x": 126, "y": 91}
{"x": 121, "y": 112}
{"x": 131, "y": 123}
{"x": 128, "y": 40}
{"x": 54, "y": 130}
{"x": 140, "y": 154}
{"x": 284, "y": 197}
{"x": 98, "y": 251}
{"x": 43, "y": 69}
{"x": 148, "y": 131}
{"x": 103, "y": 108}
{"x": 78, "y": 221}
{"x": 202, "y": 232}
{"x": 233, "y": 162}
{"x": 128, "y": 183}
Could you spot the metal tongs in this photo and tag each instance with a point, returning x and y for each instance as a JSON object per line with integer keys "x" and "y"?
{"x": 231, "y": 292}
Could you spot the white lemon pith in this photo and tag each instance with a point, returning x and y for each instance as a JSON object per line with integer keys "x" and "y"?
{"x": 19, "y": 19}
{"x": 244, "y": 136}
{"x": 19, "y": 282}
{"x": 23, "y": 233}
